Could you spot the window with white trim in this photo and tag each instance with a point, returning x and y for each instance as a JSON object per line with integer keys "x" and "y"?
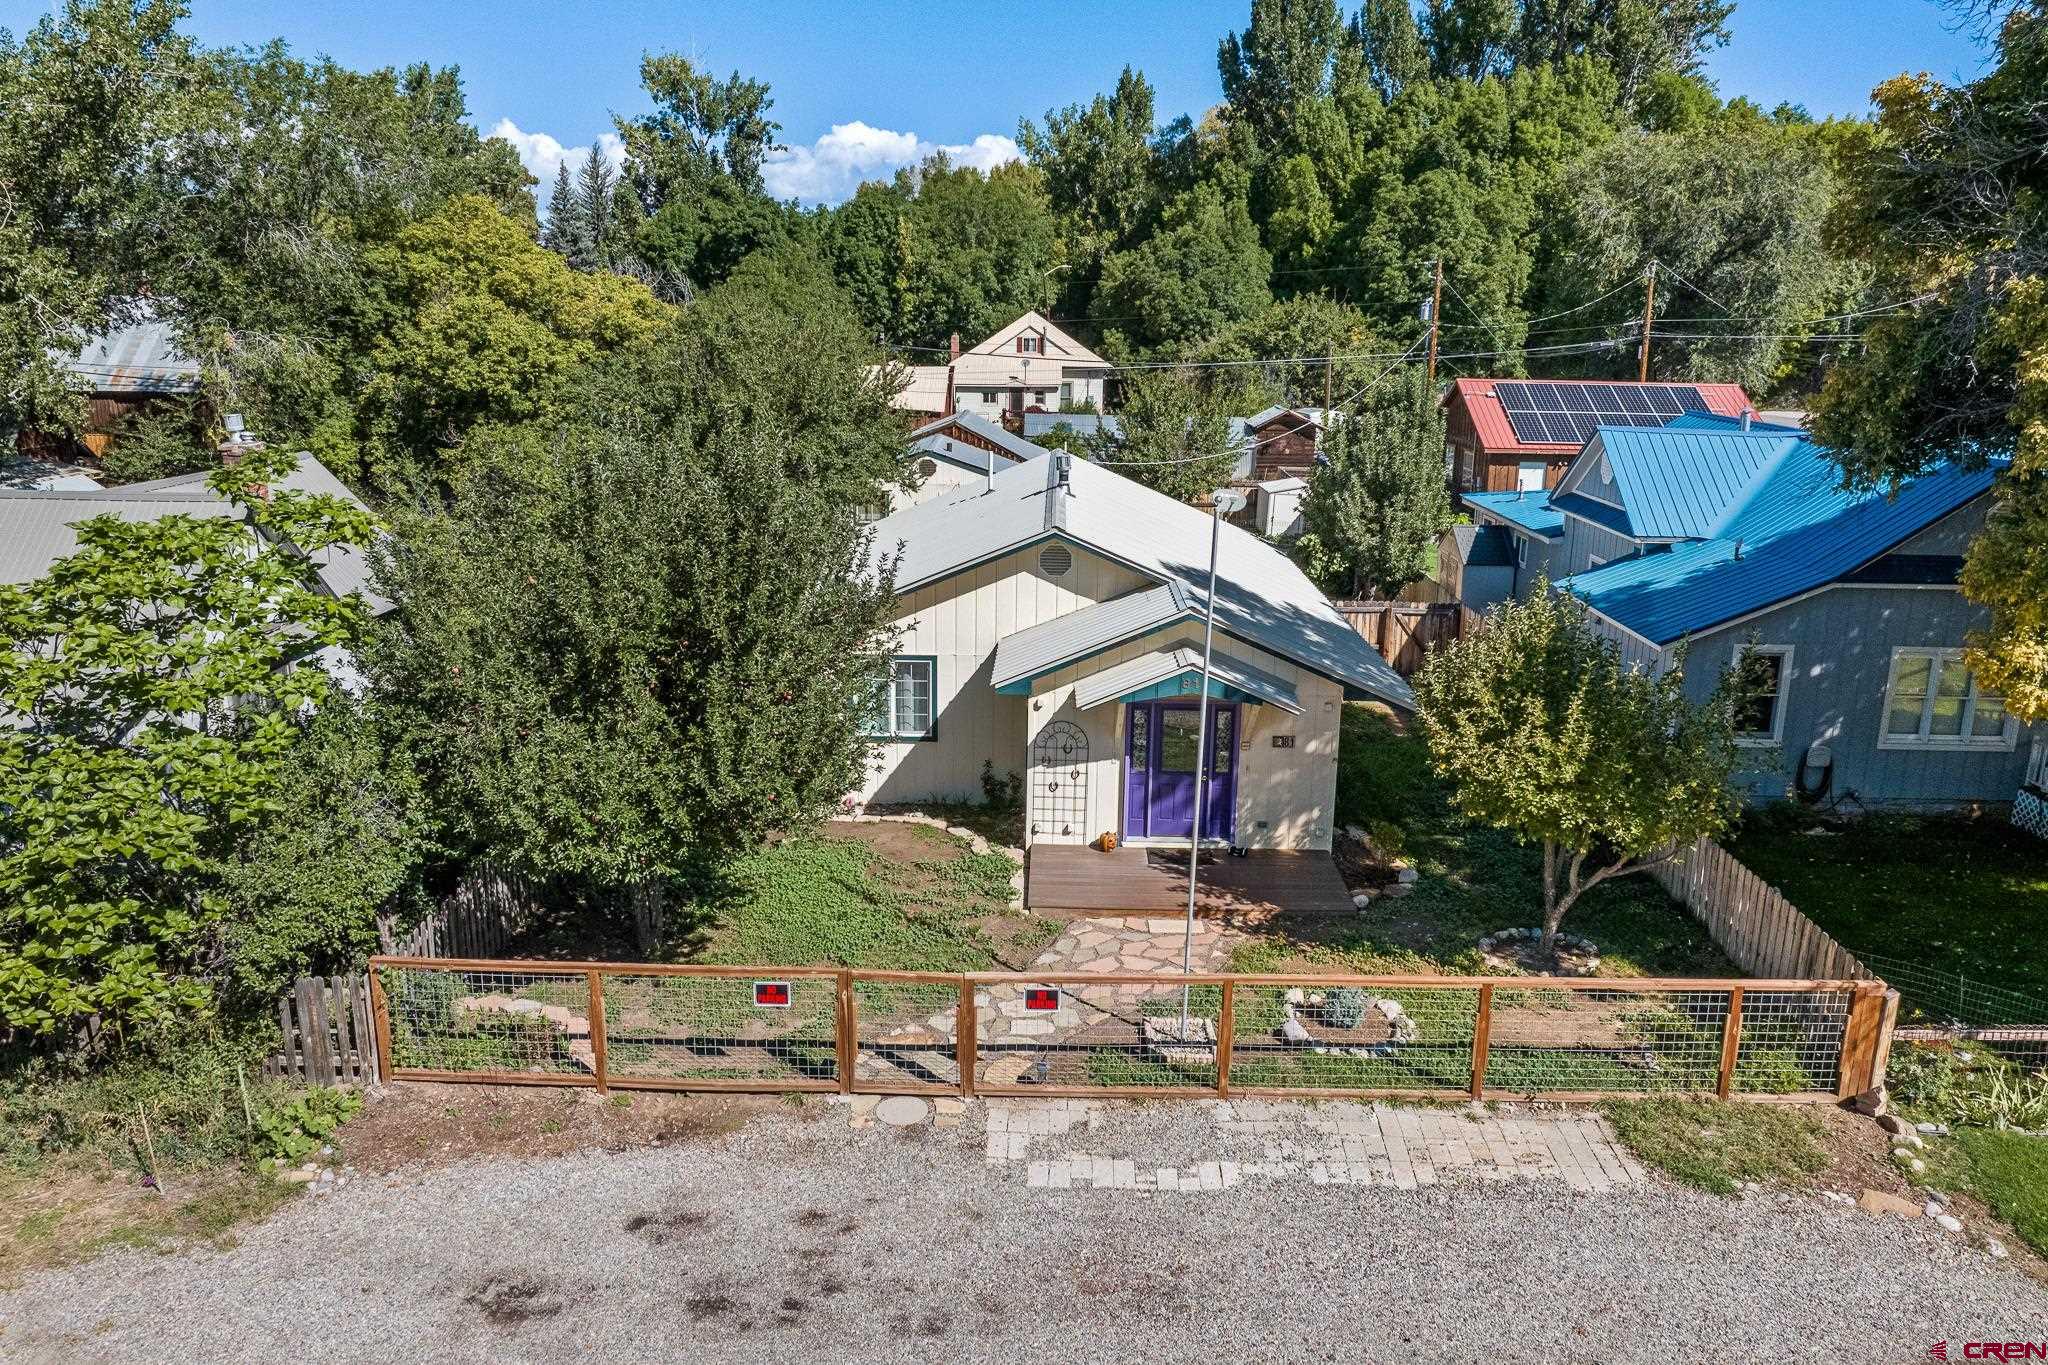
{"x": 906, "y": 707}
{"x": 1932, "y": 701}
{"x": 1760, "y": 720}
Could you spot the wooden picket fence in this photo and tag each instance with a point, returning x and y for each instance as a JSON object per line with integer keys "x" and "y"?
{"x": 1765, "y": 934}
{"x": 324, "y": 1023}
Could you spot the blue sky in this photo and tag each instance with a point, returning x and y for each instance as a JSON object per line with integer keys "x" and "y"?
{"x": 895, "y": 79}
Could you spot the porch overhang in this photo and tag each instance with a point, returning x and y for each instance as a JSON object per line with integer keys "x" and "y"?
{"x": 1177, "y": 672}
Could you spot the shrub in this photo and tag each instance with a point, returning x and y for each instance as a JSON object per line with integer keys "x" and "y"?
{"x": 1345, "y": 1006}
{"x": 290, "y": 1131}
{"x": 1977, "y": 1088}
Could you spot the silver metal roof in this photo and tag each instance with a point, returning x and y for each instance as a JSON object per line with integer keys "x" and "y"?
{"x": 1262, "y": 597}
{"x": 1011, "y": 447}
{"x": 37, "y": 527}
{"x": 141, "y": 356}
{"x": 1049, "y": 644}
{"x": 1178, "y": 661}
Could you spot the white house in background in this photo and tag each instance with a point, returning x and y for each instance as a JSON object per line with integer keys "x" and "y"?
{"x": 955, "y": 451}
{"x": 1030, "y": 364}
{"x": 1051, "y": 626}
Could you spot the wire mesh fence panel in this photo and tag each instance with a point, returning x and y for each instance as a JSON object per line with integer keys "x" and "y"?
{"x": 1605, "y": 1041}
{"x": 1946, "y": 1007}
{"x": 906, "y": 1035}
{"x": 1125, "y": 1036}
{"x": 1791, "y": 1042}
{"x": 719, "y": 1028}
{"x": 510, "y": 1021}
{"x": 1334, "y": 1037}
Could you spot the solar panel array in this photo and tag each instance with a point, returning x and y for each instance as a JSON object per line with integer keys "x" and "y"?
{"x": 1548, "y": 413}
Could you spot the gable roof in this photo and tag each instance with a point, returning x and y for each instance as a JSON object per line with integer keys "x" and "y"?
{"x": 1482, "y": 404}
{"x": 1014, "y": 447}
{"x": 1262, "y": 597}
{"x": 1059, "y": 345}
{"x": 1788, "y": 529}
{"x": 1152, "y": 672}
{"x": 139, "y": 356}
{"x": 924, "y": 389}
{"x": 38, "y": 528}
{"x": 1484, "y": 546}
{"x": 1673, "y": 484}
{"x": 1530, "y": 511}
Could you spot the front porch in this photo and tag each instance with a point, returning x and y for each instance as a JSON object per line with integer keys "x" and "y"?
{"x": 1076, "y": 879}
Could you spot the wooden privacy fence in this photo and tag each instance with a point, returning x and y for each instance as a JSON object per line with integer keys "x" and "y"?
{"x": 1404, "y": 632}
{"x": 486, "y": 911}
{"x": 612, "y": 1025}
{"x": 1752, "y": 921}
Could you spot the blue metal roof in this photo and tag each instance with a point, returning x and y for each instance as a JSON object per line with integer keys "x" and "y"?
{"x": 1680, "y": 485}
{"x": 1792, "y": 529}
{"x": 1714, "y": 421}
{"x": 1530, "y": 511}
{"x": 1614, "y": 518}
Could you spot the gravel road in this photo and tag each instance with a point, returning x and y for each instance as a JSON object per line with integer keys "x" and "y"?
{"x": 798, "y": 1238}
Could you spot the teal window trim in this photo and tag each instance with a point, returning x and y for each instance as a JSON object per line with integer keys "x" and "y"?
{"x": 888, "y": 703}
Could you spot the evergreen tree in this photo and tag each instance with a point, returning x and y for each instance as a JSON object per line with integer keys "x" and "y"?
{"x": 596, "y": 193}
{"x": 563, "y": 232}
{"x": 1376, "y": 508}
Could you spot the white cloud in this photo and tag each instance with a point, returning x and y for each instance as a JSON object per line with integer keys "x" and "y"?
{"x": 541, "y": 154}
{"x": 832, "y": 167}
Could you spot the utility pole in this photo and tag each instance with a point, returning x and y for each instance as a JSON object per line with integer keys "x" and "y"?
{"x": 1649, "y": 303}
{"x": 1436, "y": 307}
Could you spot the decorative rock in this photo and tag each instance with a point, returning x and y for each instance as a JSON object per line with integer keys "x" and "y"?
{"x": 902, "y": 1111}
{"x": 1996, "y": 1248}
{"x": 1398, "y": 889}
{"x": 1913, "y": 1140}
{"x": 1292, "y": 1030}
{"x": 1874, "y": 1102}
{"x": 301, "y": 1177}
{"x": 1918, "y": 1166}
{"x": 950, "y": 1107}
{"x": 1940, "y": 1129}
{"x": 1295, "y": 996}
{"x": 1949, "y": 1222}
{"x": 1877, "y": 1201}
{"x": 1361, "y": 901}
{"x": 1407, "y": 876}
{"x": 1932, "y": 1208}
{"x": 1892, "y": 1123}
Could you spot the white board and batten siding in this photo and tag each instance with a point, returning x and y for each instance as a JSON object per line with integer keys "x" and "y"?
{"x": 1285, "y": 796}
{"x": 958, "y": 621}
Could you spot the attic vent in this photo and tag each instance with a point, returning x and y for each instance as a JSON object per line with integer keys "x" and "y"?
{"x": 1606, "y": 471}
{"x": 1055, "y": 560}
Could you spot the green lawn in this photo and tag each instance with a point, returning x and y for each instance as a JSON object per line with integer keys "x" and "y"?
{"x": 1947, "y": 894}
{"x": 1715, "y": 1145}
{"x": 1475, "y": 880}
{"x": 2008, "y": 1171}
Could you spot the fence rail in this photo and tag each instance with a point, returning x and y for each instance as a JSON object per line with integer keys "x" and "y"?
{"x": 641, "y": 1026}
{"x": 1752, "y": 921}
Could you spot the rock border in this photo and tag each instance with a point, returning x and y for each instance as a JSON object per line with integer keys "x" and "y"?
{"x": 1401, "y": 1026}
{"x": 1575, "y": 955}
{"x": 858, "y": 815}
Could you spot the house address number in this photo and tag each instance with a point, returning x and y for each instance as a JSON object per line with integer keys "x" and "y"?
{"x": 1283, "y": 741}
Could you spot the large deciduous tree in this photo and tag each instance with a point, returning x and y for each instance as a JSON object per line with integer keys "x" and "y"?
{"x": 1542, "y": 730}
{"x": 1949, "y": 198}
{"x": 1379, "y": 504}
{"x": 155, "y": 681}
{"x": 1100, "y": 174}
{"x": 647, "y": 632}
{"x": 1173, "y": 434}
{"x": 1202, "y": 271}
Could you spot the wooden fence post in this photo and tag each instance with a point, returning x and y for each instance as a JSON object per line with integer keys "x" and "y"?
{"x": 1226, "y": 1038}
{"x": 966, "y": 1037}
{"x": 846, "y": 1033}
{"x": 594, "y": 1005}
{"x": 1862, "y": 1040}
{"x": 1482, "y": 1037}
{"x": 381, "y": 1008}
{"x": 1731, "y": 1042}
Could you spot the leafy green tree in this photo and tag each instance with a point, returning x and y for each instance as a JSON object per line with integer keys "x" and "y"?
{"x": 1203, "y": 270}
{"x": 344, "y": 837}
{"x": 1948, "y": 199}
{"x": 482, "y": 324}
{"x": 703, "y": 131}
{"x": 1542, "y": 730}
{"x": 1735, "y": 213}
{"x": 1378, "y": 506}
{"x": 1289, "y": 336}
{"x": 635, "y": 644}
{"x": 1100, "y": 179}
{"x": 157, "y": 676}
{"x": 1283, "y": 63}
{"x": 694, "y": 243}
{"x": 1174, "y": 434}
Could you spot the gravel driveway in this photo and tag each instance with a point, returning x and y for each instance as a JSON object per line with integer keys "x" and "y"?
{"x": 800, "y": 1238}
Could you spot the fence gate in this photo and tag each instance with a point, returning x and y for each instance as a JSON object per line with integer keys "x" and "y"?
{"x": 1059, "y": 780}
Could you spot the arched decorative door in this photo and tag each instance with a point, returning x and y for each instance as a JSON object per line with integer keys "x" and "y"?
{"x": 1059, "y": 781}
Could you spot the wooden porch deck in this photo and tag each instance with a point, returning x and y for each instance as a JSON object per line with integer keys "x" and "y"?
{"x": 1074, "y": 879}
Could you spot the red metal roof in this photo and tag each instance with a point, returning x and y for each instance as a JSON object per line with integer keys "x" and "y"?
{"x": 1496, "y": 437}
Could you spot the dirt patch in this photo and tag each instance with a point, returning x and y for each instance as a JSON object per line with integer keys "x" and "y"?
{"x": 509, "y": 1298}
{"x": 73, "y": 1212}
{"x": 419, "y": 1124}
{"x": 896, "y": 840}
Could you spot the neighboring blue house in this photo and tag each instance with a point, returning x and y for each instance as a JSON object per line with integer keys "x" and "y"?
{"x": 1721, "y": 537}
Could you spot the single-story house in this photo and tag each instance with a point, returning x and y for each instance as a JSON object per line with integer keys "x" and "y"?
{"x": 1050, "y": 625}
{"x": 122, "y": 373}
{"x": 1504, "y": 435}
{"x": 1717, "y": 536}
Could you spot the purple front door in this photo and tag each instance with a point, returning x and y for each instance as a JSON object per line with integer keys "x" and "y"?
{"x": 1159, "y": 771}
